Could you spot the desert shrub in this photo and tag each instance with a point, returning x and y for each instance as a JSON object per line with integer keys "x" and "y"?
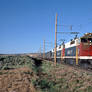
{"x": 9, "y": 62}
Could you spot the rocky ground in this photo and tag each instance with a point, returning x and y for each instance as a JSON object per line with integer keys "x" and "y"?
{"x": 25, "y": 74}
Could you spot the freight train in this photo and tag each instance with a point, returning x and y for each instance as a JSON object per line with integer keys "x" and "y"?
{"x": 77, "y": 51}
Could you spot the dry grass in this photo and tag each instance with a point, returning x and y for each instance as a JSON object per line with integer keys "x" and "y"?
{"x": 17, "y": 80}
{"x": 44, "y": 77}
{"x": 69, "y": 79}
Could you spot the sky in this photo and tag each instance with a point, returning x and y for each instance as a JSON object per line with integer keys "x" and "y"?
{"x": 24, "y": 24}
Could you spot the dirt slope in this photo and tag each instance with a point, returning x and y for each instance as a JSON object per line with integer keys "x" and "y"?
{"x": 17, "y": 80}
{"x": 25, "y": 74}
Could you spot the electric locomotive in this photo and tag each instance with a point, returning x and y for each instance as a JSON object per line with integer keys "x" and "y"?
{"x": 77, "y": 51}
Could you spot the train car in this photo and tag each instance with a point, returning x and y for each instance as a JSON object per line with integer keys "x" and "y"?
{"x": 48, "y": 55}
{"x": 77, "y": 51}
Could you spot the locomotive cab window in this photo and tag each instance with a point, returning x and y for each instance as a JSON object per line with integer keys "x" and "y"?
{"x": 90, "y": 39}
{"x": 59, "y": 46}
{"x": 83, "y": 40}
{"x": 72, "y": 42}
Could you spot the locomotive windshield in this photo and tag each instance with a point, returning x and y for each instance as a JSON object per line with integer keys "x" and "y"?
{"x": 90, "y": 39}
{"x": 83, "y": 39}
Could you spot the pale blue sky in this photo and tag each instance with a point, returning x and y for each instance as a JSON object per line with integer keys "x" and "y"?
{"x": 24, "y": 24}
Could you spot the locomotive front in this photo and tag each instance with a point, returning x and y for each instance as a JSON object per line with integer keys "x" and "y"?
{"x": 85, "y": 49}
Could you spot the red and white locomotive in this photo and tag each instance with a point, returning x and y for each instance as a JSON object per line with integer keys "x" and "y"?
{"x": 79, "y": 49}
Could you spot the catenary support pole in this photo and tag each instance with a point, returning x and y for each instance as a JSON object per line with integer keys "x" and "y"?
{"x": 44, "y": 49}
{"x": 55, "y": 54}
{"x": 76, "y": 51}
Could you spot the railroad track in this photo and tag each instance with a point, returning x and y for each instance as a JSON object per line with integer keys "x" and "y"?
{"x": 76, "y": 67}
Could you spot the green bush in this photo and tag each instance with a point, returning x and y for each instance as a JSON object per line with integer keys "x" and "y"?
{"x": 9, "y": 62}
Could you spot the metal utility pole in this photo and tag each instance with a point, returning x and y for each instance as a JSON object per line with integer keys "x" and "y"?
{"x": 44, "y": 49}
{"x": 40, "y": 51}
{"x": 55, "y": 54}
{"x": 77, "y": 52}
{"x": 61, "y": 55}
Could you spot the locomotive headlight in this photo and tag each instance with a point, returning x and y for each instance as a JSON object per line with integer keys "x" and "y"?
{"x": 90, "y": 43}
